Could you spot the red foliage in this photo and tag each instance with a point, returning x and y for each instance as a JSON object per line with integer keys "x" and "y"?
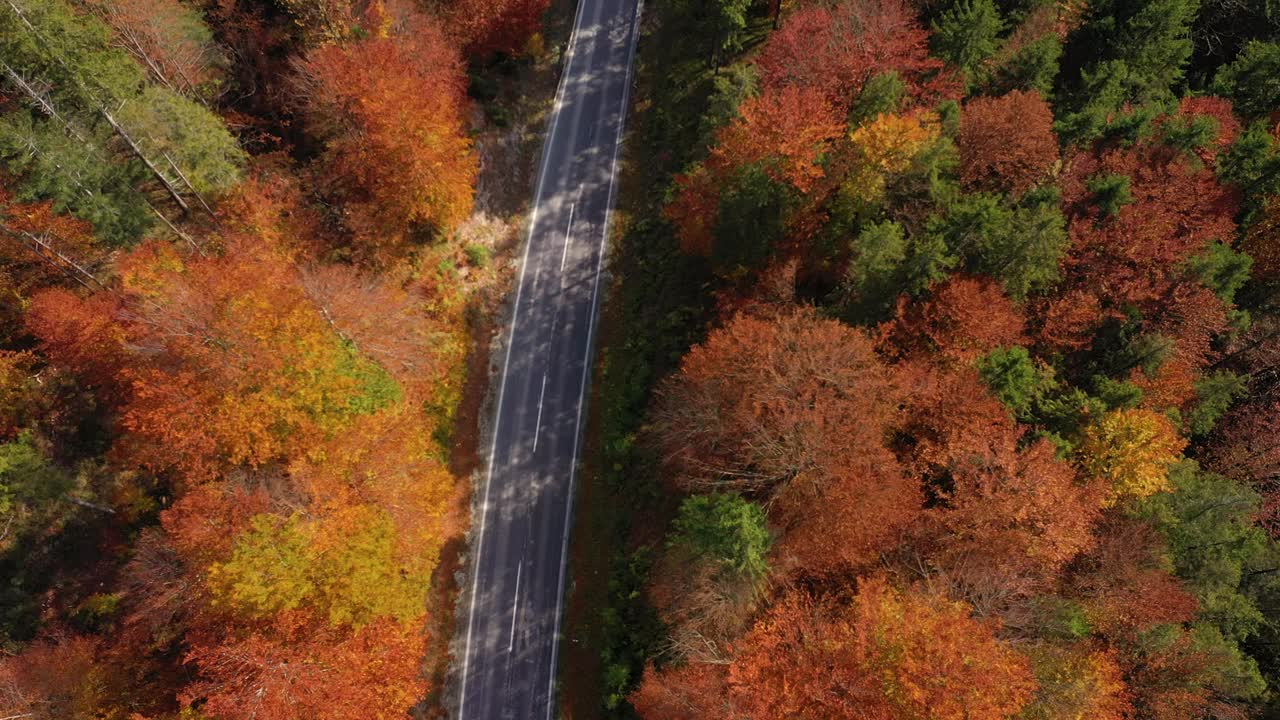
{"x": 795, "y": 406}
{"x": 963, "y": 319}
{"x": 1124, "y": 583}
{"x": 1007, "y": 143}
{"x": 835, "y": 50}
{"x": 485, "y": 27}
{"x": 1135, "y": 255}
{"x": 50, "y": 680}
{"x": 788, "y": 130}
{"x": 1006, "y": 516}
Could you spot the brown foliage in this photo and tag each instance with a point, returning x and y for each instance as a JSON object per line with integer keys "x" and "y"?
{"x": 797, "y": 407}
{"x": 963, "y": 319}
{"x": 1007, "y": 143}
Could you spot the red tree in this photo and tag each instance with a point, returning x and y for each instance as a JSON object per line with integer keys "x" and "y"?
{"x": 788, "y": 131}
{"x": 1007, "y": 143}
{"x": 485, "y": 27}
{"x": 1133, "y": 252}
{"x": 835, "y": 50}
{"x": 963, "y": 319}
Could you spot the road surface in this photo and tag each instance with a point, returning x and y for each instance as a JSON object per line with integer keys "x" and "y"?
{"x": 518, "y": 567}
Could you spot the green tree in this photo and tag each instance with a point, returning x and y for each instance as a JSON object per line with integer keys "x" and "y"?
{"x": 1252, "y": 81}
{"x": 1215, "y": 393}
{"x": 1252, "y": 163}
{"x": 727, "y": 529}
{"x": 729, "y": 89}
{"x": 1016, "y": 379}
{"x": 750, "y": 220}
{"x": 1222, "y": 270}
{"x": 967, "y": 34}
{"x": 1215, "y": 545}
{"x": 874, "y": 276}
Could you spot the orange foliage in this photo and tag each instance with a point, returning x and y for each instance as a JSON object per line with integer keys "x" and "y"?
{"x": 891, "y": 656}
{"x": 392, "y": 113}
{"x": 50, "y": 680}
{"x": 797, "y": 406}
{"x": 295, "y": 669}
{"x": 1007, "y": 143}
{"x": 789, "y": 131}
{"x": 963, "y": 319}
{"x": 485, "y": 27}
{"x": 1006, "y": 513}
{"x": 694, "y": 691}
{"x": 835, "y": 50}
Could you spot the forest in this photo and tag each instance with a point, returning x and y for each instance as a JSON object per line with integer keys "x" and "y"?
{"x": 942, "y": 380}
{"x": 235, "y": 307}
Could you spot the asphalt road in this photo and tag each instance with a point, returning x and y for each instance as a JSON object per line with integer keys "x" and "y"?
{"x": 518, "y": 568}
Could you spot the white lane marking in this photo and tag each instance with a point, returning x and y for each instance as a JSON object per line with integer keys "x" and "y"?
{"x": 586, "y": 368}
{"x": 567, "y": 232}
{"x": 537, "y": 428}
{"x": 515, "y": 608}
{"x": 570, "y": 54}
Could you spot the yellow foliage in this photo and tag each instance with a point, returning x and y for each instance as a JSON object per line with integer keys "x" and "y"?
{"x": 1133, "y": 450}
{"x": 886, "y": 146}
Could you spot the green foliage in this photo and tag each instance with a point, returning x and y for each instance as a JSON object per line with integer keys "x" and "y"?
{"x": 1021, "y": 247}
{"x": 477, "y": 255}
{"x": 1222, "y": 270}
{"x": 88, "y": 75}
{"x": 1252, "y": 163}
{"x": 1016, "y": 379}
{"x": 750, "y": 220}
{"x": 882, "y": 93}
{"x": 1189, "y": 134}
{"x": 78, "y": 177}
{"x": 727, "y": 529}
{"x": 166, "y": 124}
{"x": 1060, "y": 618}
{"x": 729, "y": 88}
{"x": 1214, "y": 395}
{"x": 29, "y": 485}
{"x": 1253, "y": 80}
{"x": 875, "y": 270}
{"x": 1208, "y": 521}
{"x": 1025, "y": 254}
{"x": 966, "y": 34}
{"x": 1116, "y": 394}
{"x": 1033, "y": 67}
{"x": 1110, "y": 192}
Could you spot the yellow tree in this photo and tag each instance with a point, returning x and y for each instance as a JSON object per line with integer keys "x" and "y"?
{"x": 1131, "y": 449}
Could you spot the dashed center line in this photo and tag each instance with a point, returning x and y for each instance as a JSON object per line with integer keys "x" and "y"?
{"x": 538, "y": 428}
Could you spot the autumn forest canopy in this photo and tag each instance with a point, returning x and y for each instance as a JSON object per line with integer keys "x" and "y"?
{"x": 974, "y": 412}
{"x": 940, "y": 378}
{"x": 233, "y": 331}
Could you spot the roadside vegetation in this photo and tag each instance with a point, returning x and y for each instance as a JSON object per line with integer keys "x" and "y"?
{"x": 242, "y": 259}
{"x": 939, "y": 372}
